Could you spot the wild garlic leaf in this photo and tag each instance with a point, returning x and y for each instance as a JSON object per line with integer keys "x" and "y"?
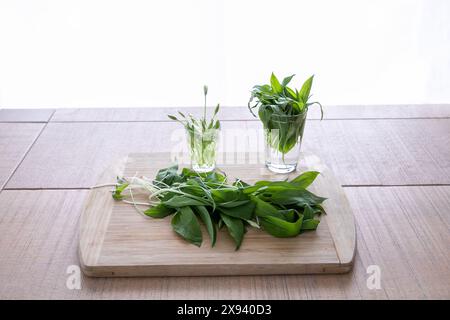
{"x": 289, "y": 215}
{"x": 235, "y": 228}
{"x": 310, "y": 224}
{"x": 286, "y": 80}
{"x": 276, "y": 86}
{"x": 264, "y": 209}
{"x": 227, "y": 195}
{"x": 233, "y": 203}
{"x": 182, "y": 201}
{"x": 305, "y": 179}
{"x": 306, "y": 89}
{"x": 308, "y": 212}
{"x": 159, "y": 211}
{"x": 291, "y": 93}
{"x": 185, "y": 223}
{"x": 117, "y": 194}
{"x": 167, "y": 176}
{"x": 281, "y": 228}
{"x": 251, "y": 189}
{"x": 297, "y": 197}
{"x": 206, "y": 218}
{"x": 244, "y": 211}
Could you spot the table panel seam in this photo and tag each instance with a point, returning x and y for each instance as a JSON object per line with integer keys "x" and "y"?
{"x": 2, "y": 187}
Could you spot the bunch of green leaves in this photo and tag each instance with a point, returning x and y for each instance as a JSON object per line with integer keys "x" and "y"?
{"x": 282, "y": 110}
{"x": 281, "y": 208}
{"x": 202, "y": 133}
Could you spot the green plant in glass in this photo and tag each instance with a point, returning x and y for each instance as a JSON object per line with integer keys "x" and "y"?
{"x": 282, "y": 110}
{"x": 202, "y": 137}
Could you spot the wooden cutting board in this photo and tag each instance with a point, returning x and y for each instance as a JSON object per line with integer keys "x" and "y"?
{"x": 115, "y": 240}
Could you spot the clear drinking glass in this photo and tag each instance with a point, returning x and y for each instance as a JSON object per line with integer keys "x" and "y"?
{"x": 283, "y": 135}
{"x": 202, "y": 147}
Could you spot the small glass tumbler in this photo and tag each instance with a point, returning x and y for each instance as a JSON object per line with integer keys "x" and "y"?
{"x": 283, "y": 138}
{"x": 202, "y": 147}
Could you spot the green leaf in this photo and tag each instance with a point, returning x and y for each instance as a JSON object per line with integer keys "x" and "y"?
{"x": 276, "y": 86}
{"x": 167, "y": 176}
{"x": 216, "y": 110}
{"x": 286, "y": 80}
{"x": 305, "y": 179}
{"x": 281, "y": 228}
{"x": 306, "y": 89}
{"x": 291, "y": 93}
{"x": 289, "y": 215}
{"x": 206, "y": 218}
{"x": 228, "y": 195}
{"x": 187, "y": 172}
{"x": 298, "y": 197}
{"x": 251, "y": 189}
{"x": 182, "y": 201}
{"x": 308, "y": 213}
{"x": 185, "y": 223}
{"x": 117, "y": 194}
{"x": 232, "y": 204}
{"x": 159, "y": 211}
{"x": 172, "y": 117}
{"x": 265, "y": 209}
{"x": 310, "y": 224}
{"x": 276, "y": 186}
{"x": 244, "y": 211}
{"x": 235, "y": 228}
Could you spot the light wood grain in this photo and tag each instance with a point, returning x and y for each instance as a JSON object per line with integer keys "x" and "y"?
{"x": 143, "y": 114}
{"x": 359, "y": 152}
{"x": 117, "y": 241}
{"x": 404, "y": 230}
{"x": 15, "y": 140}
{"x": 406, "y": 233}
{"x": 405, "y": 111}
{"x": 242, "y": 113}
{"x": 25, "y": 115}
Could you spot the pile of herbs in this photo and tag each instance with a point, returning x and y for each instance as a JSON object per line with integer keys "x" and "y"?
{"x": 282, "y": 110}
{"x": 280, "y": 208}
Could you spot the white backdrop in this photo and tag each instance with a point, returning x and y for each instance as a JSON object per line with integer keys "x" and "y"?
{"x": 95, "y": 53}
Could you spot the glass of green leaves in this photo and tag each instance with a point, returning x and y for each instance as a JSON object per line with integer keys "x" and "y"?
{"x": 202, "y": 137}
{"x": 282, "y": 111}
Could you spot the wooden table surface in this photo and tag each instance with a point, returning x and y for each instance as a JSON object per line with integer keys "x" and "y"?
{"x": 393, "y": 161}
